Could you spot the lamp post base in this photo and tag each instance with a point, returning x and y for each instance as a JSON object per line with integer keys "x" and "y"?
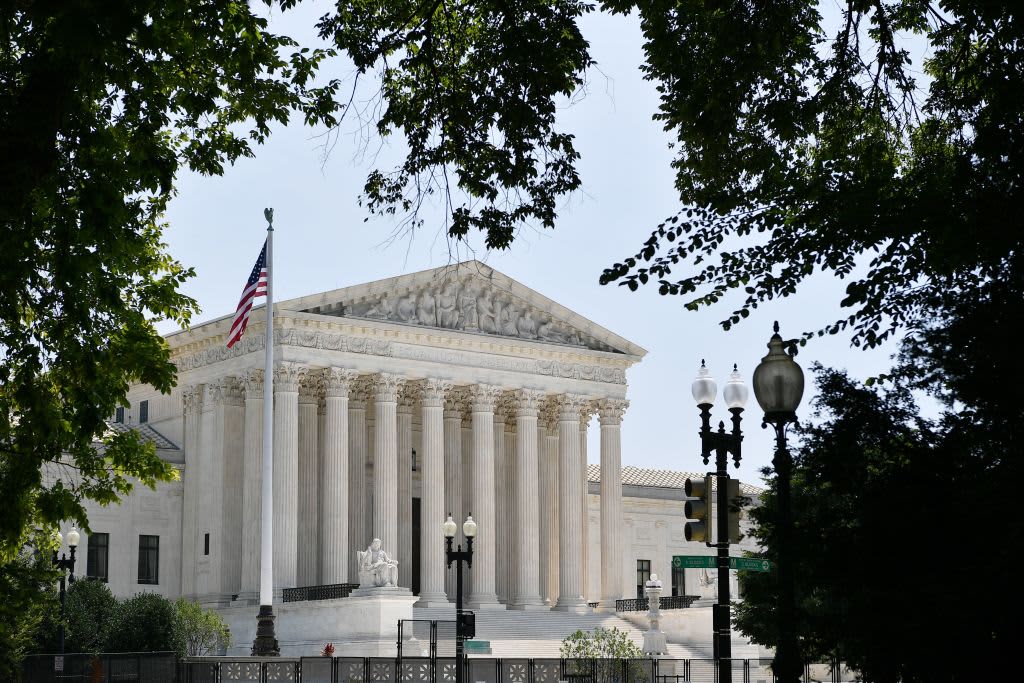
{"x": 265, "y": 643}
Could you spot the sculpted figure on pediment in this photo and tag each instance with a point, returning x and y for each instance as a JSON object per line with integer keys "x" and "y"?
{"x": 381, "y": 309}
{"x": 405, "y": 309}
{"x": 426, "y": 309}
{"x": 488, "y": 318}
{"x": 448, "y": 306}
{"x": 527, "y": 326}
{"x": 508, "y": 317}
{"x": 467, "y": 301}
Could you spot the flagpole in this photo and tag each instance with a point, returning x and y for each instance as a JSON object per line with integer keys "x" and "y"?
{"x": 265, "y": 643}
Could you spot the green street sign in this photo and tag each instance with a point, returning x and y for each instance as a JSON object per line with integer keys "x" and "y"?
{"x": 694, "y": 561}
{"x": 752, "y": 564}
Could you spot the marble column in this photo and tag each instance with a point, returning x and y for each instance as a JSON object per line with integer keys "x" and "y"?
{"x": 610, "y": 412}
{"x": 585, "y": 414}
{"x": 233, "y": 438}
{"x": 432, "y": 512}
{"x": 570, "y": 512}
{"x": 252, "y": 478}
{"x": 526, "y": 531}
{"x": 452, "y": 470}
{"x": 406, "y": 399}
{"x": 286, "y": 472}
{"x": 307, "y": 563}
{"x": 549, "y": 502}
{"x": 357, "y": 497}
{"x": 192, "y": 405}
{"x": 334, "y": 477}
{"x": 502, "y": 514}
{"x": 507, "y": 483}
{"x": 483, "y": 398}
{"x": 467, "y": 482}
{"x": 385, "y": 459}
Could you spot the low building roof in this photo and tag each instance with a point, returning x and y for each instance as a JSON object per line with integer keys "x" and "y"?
{"x": 660, "y": 479}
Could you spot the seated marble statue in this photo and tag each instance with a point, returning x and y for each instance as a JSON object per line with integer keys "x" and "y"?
{"x": 376, "y": 568}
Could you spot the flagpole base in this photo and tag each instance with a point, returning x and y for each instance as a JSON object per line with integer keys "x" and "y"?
{"x": 265, "y": 644}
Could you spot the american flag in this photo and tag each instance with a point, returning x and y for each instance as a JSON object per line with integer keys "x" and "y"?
{"x": 256, "y": 286}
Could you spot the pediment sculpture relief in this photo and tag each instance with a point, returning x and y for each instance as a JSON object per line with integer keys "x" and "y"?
{"x": 472, "y": 307}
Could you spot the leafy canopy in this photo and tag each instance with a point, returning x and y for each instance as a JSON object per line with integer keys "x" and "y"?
{"x": 807, "y": 143}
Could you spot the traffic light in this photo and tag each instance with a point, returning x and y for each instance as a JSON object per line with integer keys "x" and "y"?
{"x": 698, "y": 510}
{"x": 735, "y": 505}
{"x": 467, "y": 625}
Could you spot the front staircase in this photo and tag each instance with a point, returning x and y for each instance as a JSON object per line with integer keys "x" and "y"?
{"x": 516, "y": 634}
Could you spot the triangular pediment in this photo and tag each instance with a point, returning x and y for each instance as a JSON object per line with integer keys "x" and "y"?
{"x": 466, "y": 297}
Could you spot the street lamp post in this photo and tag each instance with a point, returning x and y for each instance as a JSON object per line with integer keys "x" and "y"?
{"x": 66, "y": 565}
{"x": 778, "y": 387}
{"x": 458, "y": 556}
{"x": 722, "y": 444}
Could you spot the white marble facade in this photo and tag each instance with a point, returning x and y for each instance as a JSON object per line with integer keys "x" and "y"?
{"x": 490, "y": 383}
{"x": 487, "y": 380}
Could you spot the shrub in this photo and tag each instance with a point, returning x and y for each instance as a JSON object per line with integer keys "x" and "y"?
{"x": 202, "y": 631}
{"x": 88, "y": 608}
{"x": 147, "y": 622}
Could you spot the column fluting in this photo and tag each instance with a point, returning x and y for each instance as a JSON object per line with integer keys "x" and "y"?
{"x": 286, "y": 472}
{"x": 610, "y": 413}
{"x": 452, "y": 469}
{"x": 483, "y": 398}
{"x": 526, "y": 532}
{"x": 252, "y": 478}
{"x": 385, "y": 460}
{"x": 334, "y": 477}
{"x": 432, "y": 501}
{"x": 570, "y": 512}
{"x": 406, "y": 399}
{"x": 307, "y": 562}
{"x": 357, "y": 496}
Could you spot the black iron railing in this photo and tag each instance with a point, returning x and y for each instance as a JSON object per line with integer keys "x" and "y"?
{"x": 327, "y": 592}
{"x": 666, "y": 602}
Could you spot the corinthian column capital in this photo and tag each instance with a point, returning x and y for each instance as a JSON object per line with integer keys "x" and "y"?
{"x": 570, "y": 406}
{"x": 287, "y": 376}
{"x": 252, "y": 380}
{"x": 433, "y": 392}
{"x": 483, "y": 397}
{"x": 337, "y": 382}
{"x": 527, "y": 402}
{"x": 610, "y": 410}
{"x": 385, "y": 386}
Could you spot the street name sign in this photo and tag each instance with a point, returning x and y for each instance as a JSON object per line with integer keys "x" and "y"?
{"x": 694, "y": 561}
{"x": 752, "y": 564}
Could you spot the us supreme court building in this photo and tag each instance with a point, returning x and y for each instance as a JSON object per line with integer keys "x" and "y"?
{"x": 454, "y": 390}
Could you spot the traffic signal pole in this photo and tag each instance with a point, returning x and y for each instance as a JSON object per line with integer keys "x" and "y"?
{"x": 723, "y": 444}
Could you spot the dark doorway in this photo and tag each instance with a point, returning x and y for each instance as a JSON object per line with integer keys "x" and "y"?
{"x": 415, "y": 546}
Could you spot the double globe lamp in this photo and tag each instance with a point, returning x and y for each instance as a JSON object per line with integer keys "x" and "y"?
{"x": 66, "y": 565}
{"x": 778, "y": 387}
{"x": 465, "y": 625}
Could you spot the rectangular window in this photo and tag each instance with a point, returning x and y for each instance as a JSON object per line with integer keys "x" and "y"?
{"x": 96, "y": 556}
{"x": 149, "y": 559}
{"x": 143, "y": 412}
{"x": 678, "y": 581}
{"x": 206, "y": 544}
{"x": 119, "y": 415}
{"x": 643, "y": 575}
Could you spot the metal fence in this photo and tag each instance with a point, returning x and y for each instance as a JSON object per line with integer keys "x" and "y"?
{"x": 325, "y": 592}
{"x": 665, "y": 602}
{"x": 166, "y": 668}
{"x": 490, "y": 670}
{"x": 148, "y": 667}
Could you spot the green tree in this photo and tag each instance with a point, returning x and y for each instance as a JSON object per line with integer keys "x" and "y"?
{"x": 203, "y": 631}
{"x": 89, "y": 607}
{"x": 147, "y": 622}
{"x": 808, "y": 143}
{"x": 875, "y": 576}
{"x": 28, "y": 614}
{"x": 606, "y": 646}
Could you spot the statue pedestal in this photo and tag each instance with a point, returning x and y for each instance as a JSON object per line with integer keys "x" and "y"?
{"x": 654, "y": 638}
{"x": 373, "y": 591}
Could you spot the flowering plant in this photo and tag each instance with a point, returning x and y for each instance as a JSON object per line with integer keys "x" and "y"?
{"x": 328, "y": 650}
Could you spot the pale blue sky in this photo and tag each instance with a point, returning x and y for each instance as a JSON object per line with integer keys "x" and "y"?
{"x": 322, "y": 242}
